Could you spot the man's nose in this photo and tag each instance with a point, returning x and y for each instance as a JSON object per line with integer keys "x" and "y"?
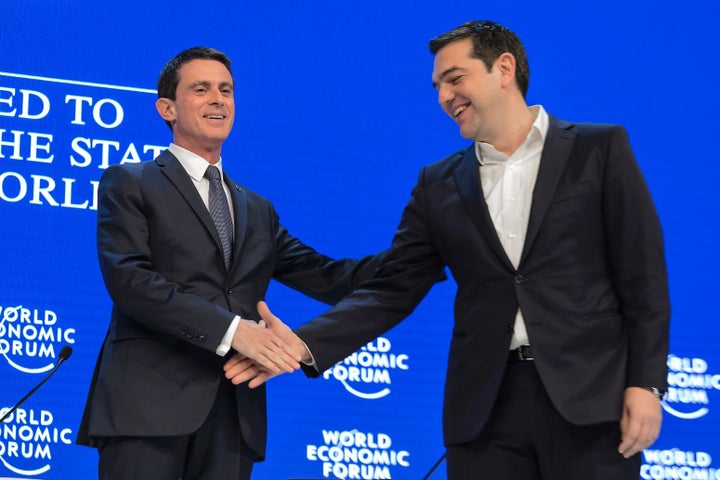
{"x": 445, "y": 95}
{"x": 217, "y": 97}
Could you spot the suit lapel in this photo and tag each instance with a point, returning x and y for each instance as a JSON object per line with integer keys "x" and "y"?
{"x": 556, "y": 152}
{"x": 239, "y": 200}
{"x": 467, "y": 178}
{"x": 175, "y": 172}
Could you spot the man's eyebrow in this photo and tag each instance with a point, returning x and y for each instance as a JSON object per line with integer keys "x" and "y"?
{"x": 200, "y": 83}
{"x": 444, "y": 74}
{"x": 208, "y": 84}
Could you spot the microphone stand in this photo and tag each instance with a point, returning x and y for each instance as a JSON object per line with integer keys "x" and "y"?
{"x": 434, "y": 467}
{"x": 64, "y": 355}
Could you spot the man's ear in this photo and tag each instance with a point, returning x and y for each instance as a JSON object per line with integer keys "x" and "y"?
{"x": 506, "y": 65}
{"x": 166, "y": 108}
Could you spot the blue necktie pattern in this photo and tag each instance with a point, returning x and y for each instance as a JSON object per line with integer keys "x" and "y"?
{"x": 220, "y": 212}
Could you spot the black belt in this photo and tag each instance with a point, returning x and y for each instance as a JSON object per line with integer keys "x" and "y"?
{"x": 521, "y": 354}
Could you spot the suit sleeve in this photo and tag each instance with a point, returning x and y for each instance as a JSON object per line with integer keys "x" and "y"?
{"x": 636, "y": 254}
{"x": 325, "y": 279}
{"x": 406, "y": 273}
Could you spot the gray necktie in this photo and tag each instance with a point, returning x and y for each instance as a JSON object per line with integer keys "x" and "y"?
{"x": 220, "y": 212}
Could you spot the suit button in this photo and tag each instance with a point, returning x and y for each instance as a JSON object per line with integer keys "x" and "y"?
{"x": 202, "y": 338}
{"x": 228, "y": 292}
{"x": 509, "y": 327}
{"x": 519, "y": 279}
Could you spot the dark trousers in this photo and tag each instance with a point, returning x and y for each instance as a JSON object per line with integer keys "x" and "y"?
{"x": 215, "y": 451}
{"x": 527, "y": 439}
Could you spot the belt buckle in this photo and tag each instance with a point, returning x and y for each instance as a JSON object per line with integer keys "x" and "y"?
{"x": 525, "y": 353}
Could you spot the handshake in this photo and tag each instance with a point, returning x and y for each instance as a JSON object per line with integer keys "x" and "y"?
{"x": 264, "y": 350}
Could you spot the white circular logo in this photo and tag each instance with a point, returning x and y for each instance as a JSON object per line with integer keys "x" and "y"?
{"x": 27, "y": 437}
{"x": 352, "y": 454}
{"x": 689, "y": 382}
{"x": 366, "y": 373}
{"x": 30, "y": 339}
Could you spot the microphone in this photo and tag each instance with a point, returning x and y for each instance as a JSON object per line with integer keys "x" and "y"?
{"x": 434, "y": 467}
{"x": 62, "y": 356}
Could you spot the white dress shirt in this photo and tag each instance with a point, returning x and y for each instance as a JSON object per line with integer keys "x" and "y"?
{"x": 508, "y": 183}
{"x": 196, "y": 166}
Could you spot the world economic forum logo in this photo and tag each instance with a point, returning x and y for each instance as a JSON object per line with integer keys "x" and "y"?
{"x": 30, "y": 338}
{"x": 366, "y": 373}
{"x": 27, "y": 439}
{"x": 676, "y": 464}
{"x": 353, "y": 454}
{"x": 690, "y": 381}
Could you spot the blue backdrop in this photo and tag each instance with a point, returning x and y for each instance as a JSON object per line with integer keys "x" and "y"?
{"x": 335, "y": 115}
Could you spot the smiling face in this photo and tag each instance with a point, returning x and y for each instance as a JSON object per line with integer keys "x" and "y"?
{"x": 203, "y": 111}
{"x": 470, "y": 94}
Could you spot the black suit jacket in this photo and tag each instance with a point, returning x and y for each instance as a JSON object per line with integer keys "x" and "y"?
{"x": 161, "y": 259}
{"x": 591, "y": 282}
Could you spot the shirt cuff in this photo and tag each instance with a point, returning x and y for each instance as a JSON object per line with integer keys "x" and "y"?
{"x": 312, "y": 362}
{"x": 226, "y": 342}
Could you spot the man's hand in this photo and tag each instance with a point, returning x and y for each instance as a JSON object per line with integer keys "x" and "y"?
{"x": 640, "y": 423}
{"x": 275, "y": 325}
{"x": 267, "y": 347}
{"x": 241, "y": 367}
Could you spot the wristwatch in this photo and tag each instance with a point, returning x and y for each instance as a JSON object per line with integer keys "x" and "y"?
{"x": 659, "y": 394}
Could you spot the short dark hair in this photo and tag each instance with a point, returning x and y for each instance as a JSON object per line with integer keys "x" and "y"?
{"x": 490, "y": 40}
{"x": 169, "y": 78}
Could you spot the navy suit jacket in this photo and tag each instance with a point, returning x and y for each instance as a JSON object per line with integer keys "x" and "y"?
{"x": 591, "y": 282}
{"x": 161, "y": 260}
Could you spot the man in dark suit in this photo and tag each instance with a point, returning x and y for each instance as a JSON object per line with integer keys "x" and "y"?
{"x": 185, "y": 270}
{"x": 558, "y": 354}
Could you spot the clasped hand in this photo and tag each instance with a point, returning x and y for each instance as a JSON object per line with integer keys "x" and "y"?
{"x": 264, "y": 350}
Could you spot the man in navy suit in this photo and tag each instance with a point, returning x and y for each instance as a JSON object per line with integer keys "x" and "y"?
{"x": 558, "y": 355}
{"x": 187, "y": 290}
